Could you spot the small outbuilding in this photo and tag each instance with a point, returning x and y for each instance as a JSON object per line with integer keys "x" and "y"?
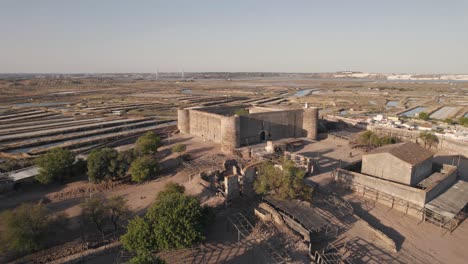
{"x": 406, "y": 163}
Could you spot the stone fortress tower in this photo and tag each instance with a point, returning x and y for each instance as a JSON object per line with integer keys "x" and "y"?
{"x": 222, "y": 125}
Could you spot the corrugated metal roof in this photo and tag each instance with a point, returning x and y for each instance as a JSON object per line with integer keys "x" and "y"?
{"x": 452, "y": 201}
{"x": 305, "y": 215}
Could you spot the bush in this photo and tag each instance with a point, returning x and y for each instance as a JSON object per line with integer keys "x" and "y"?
{"x": 463, "y": 121}
{"x": 55, "y": 165}
{"x": 101, "y": 212}
{"x": 179, "y": 148}
{"x": 11, "y": 165}
{"x": 147, "y": 144}
{"x": 122, "y": 164}
{"x": 242, "y": 112}
{"x": 107, "y": 163}
{"x": 424, "y": 116}
{"x": 370, "y": 138}
{"x": 143, "y": 168}
{"x": 428, "y": 139}
{"x": 285, "y": 183}
{"x": 173, "y": 221}
{"x": 146, "y": 258}
{"x": 26, "y": 228}
{"x": 102, "y": 164}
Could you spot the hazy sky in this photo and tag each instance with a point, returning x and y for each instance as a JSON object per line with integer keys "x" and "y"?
{"x": 236, "y": 35}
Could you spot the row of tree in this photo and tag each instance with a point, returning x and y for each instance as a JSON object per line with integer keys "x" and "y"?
{"x": 102, "y": 164}
{"x": 370, "y": 138}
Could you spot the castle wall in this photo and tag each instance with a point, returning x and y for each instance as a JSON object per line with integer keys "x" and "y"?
{"x": 205, "y": 125}
{"x": 230, "y": 132}
{"x": 183, "y": 121}
{"x": 310, "y": 122}
{"x": 218, "y": 124}
{"x": 275, "y": 124}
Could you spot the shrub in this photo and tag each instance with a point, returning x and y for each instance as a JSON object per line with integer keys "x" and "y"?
{"x": 173, "y": 221}
{"x": 179, "y": 148}
{"x": 102, "y": 164}
{"x": 285, "y": 183}
{"x": 143, "y": 168}
{"x": 429, "y": 139}
{"x": 55, "y": 165}
{"x": 241, "y": 112}
{"x": 424, "y": 116}
{"x": 147, "y": 144}
{"x": 27, "y": 227}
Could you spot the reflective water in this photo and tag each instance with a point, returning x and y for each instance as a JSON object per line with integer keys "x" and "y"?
{"x": 414, "y": 111}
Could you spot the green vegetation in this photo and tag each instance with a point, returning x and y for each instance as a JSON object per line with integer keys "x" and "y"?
{"x": 146, "y": 258}
{"x": 143, "y": 168}
{"x": 27, "y": 227}
{"x": 108, "y": 164}
{"x": 424, "y": 116}
{"x": 241, "y": 112}
{"x": 285, "y": 183}
{"x": 11, "y": 165}
{"x": 55, "y": 165}
{"x": 175, "y": 220}
{"x": 147, "y": 144}
{"x": 463, "y": 121}
{"x": 102, "y": 212}
{"x": 179, "y": 148}
{"x": 428, "y": 139}
{"x": 370, "y": 138}
{"x": 449, "y": 121}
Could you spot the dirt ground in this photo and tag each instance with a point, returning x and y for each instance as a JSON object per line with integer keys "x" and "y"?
{"x": 416, "y": 242}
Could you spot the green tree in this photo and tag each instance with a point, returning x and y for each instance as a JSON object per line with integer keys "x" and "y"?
{"x": 428, "y": 139}
{"x": 146, "y": 258}
{"x": 372, "y": 139}
{"x": 139, "y": 237}
{"x": 448, "y": 121}
{"x": 102, "y": 164}
{"x": 143, "y": 168}
{"x": 463, "y": 121}
{"x": 25, "y": 228}
{"x": 56, "y": 164}
{"x": 100, "y": 211}
{"x": 424, "y": 116}
{"x": 121, "y": 164}
{"x": 388, "y": 140}
{"x": 147, "y": 144}
{"x": 118, "y": 209}
{"x": 285, "y": 183}
{"x": 94, "y": 211}
{"x": 173, "y": 221}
